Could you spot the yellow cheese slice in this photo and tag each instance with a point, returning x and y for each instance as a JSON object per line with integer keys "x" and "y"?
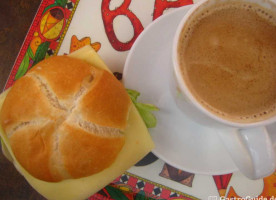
{"x": 138, "y": 144}
{"x": 88, "y": 54}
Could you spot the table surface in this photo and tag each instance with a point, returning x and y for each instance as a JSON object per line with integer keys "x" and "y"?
{"x": 16, "y": 18}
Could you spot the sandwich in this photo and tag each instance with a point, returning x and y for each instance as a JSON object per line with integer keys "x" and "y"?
{"x": 69, "y": 123}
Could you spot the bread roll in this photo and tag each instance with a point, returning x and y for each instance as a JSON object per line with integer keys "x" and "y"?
{"x": 65, "y": 119}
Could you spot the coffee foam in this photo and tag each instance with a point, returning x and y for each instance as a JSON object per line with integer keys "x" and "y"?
{"x": 264, "y": 113}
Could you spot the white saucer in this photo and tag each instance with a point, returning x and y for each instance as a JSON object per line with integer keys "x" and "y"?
{"x": 179, "y": 141}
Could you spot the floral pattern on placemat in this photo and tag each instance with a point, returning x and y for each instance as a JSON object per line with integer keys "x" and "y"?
{"x": 44, "y": 36}
{"x": 130, "y": 186}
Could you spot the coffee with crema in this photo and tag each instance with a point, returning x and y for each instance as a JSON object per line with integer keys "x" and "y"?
{"x": 227, "y": 57}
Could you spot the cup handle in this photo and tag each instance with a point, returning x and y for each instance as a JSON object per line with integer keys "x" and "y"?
{"x": 251, "y": 150}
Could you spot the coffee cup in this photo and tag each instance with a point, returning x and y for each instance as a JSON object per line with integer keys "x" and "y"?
{"x": 224, "y": 76}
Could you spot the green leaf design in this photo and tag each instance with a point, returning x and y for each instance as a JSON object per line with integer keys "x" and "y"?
{"x": 143, "y": 109}
{"x": 141, "y": 195}
{"x": 23, "y": 67}
{"x": 30, "y": 53}
{"x": 48, "y": 7}
{"x": 61, "y": 3}
{"x": 115, "y": 193}
{"x": 41, "y": 52}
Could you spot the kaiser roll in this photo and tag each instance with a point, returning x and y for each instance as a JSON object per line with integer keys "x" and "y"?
{"x": 65, "y": 119}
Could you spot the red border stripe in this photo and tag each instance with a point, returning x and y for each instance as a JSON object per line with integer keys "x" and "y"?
{"x": 26, "y": 43}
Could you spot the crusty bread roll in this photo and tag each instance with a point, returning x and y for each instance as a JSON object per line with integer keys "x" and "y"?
{"x": 65, "y": 119}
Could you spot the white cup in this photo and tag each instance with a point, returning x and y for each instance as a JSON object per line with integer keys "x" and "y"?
{"x": 248, "y": 144}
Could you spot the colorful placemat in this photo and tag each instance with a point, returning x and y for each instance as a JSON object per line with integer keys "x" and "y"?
{"x": 111, "y": 27}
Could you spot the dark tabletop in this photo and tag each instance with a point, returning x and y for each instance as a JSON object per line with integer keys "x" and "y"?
{"x": 15, "y": 19}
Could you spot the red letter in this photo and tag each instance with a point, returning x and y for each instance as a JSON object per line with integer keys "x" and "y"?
{"x": 161, "y": 5}
{"x": 108, "y": 17}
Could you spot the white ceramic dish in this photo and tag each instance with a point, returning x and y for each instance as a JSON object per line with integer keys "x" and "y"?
{"x": 179, "y": 141}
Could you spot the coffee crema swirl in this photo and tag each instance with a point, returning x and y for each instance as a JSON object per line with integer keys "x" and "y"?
{"x": 227, "y": 56}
